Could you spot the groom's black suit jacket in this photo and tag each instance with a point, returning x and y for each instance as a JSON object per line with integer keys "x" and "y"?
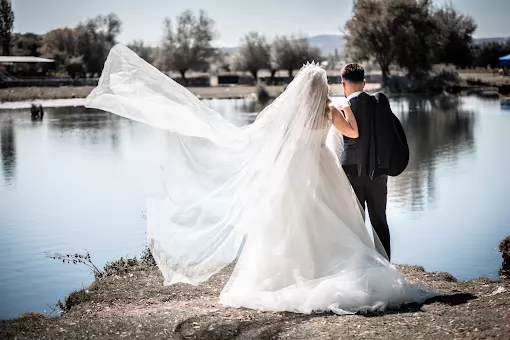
{"x": 381, "y": 146}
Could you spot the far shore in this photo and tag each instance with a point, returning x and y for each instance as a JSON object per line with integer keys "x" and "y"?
{"x": 65, "y": 96}
{"x": 24, "y": 94}
{"x": 484, "y": 83}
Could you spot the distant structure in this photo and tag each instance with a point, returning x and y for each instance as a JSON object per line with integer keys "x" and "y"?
{"x": 9, "y": 65}
{"x": 505, "y": 61}
{"x": 37, "y": 112}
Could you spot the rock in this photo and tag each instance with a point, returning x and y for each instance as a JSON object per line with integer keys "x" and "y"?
{"x": 498, "y": 290}
{"x": 504, "y": 248}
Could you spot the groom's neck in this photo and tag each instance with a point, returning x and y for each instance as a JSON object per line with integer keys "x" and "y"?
{"x": 353, "y": 89}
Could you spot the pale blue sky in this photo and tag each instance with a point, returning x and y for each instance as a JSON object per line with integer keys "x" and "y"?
{"x": 142, "y": 19}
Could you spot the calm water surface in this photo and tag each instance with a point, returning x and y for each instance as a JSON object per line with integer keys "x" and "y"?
{"x": 72, "y": 182}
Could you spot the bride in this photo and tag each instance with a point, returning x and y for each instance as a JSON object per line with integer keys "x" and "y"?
{"x": 270, "y": 194}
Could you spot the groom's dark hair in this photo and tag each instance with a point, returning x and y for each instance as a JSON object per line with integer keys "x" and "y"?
{"x": 354, "y": 73}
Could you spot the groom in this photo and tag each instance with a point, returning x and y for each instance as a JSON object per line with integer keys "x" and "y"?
{"x": 362, "y": 157}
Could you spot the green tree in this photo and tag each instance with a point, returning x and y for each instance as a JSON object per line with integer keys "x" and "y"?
{"x": 417, "y": 36}
{"x": 488, "y": 54}
{"x": 291, "y": 53}
{"x": 110, "y": 26}
{"x": 60, "y": 45}
{"x": 367, "y": 34}
{"x": 75, "y": 67}
{"x": 224, "y": 60}
{"x": 457, "y": 32}
{"x": 26, "y": 44}
{"x": 401, "y": 32}
{"x": 188, "y": 45}
{"x": 254, "y": 54}
{"x": 6, "y": 25}
{"x": 95, "y": 38}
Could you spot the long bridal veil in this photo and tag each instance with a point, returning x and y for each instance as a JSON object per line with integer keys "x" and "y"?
{"x": 270, "y": 192}
{"x": 219, "y": 182}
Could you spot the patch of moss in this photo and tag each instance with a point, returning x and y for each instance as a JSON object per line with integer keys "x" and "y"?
{"x": 75, "y": 298}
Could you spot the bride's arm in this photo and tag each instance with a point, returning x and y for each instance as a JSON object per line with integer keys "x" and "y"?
{"x": 345, "y": 124}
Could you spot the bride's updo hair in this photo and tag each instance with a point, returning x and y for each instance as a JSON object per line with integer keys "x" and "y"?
{"x": 317, "y": 80}
{"x": 317, "y": 91}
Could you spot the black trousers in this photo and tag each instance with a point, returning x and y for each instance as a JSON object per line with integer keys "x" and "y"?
{"x": 373, "y": 194}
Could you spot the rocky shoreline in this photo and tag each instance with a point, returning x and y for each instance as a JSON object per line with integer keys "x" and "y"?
{"x": 131, "y": 302}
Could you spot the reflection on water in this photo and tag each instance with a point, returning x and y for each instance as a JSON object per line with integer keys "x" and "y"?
{"x": 69, "y": 183}
{"x": 505, "y": 104}
{"x": 95, "y": 127}
{"x": 73, "y": 181}
{"x": 8, "y": 147}
{"x": 253, "y": 107}
{"x": 439, "y": 131}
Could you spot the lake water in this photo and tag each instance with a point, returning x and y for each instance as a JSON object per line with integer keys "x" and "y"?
{"x": 72, "y": 182}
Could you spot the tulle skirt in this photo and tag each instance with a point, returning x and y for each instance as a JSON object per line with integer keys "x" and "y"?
{"x": 318, "y": 258}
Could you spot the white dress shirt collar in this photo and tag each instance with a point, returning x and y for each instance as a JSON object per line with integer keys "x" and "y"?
{"x": 353, "y": 95}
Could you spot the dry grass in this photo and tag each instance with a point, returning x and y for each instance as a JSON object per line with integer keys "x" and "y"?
{"x": 18, "y": 94}
{"x": 31, "y": 93}
{"x": 485, "y": 77}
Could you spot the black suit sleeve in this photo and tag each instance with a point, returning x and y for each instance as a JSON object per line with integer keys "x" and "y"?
{"x": 357, "y": 107}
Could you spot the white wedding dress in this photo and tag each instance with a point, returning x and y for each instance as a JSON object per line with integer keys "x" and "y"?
{"x": 271, "y": 194}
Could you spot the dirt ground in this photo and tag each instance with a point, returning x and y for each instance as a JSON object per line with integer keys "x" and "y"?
{"x": 135, "y": 305}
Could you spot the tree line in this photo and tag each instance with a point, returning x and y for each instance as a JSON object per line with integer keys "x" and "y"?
{"x": 186, "y": 44}
{"x": 415, "y": 35}
{"x": 407, "y": 35}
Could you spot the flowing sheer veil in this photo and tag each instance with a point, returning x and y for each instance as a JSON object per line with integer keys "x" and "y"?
{"x": 217, "y": 181}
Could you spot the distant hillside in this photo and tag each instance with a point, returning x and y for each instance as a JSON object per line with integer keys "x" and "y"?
{"x": 327, "y": 43}
{"x": 227, "y": 50}
{"x": 489, "y": 40}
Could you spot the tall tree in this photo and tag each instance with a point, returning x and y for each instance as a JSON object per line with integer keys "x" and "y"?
{"x": 111, "y": 26}
{"x": 457, "y": 32}
{"x": 367, "y": 35}
{"x": 417, "y": 36}
{"x": 6, "y": 25}
{"x": 488, "y": 54}
{"x": 60, "y": 45}
{"x": 95, "y": 37}
{"x": 292, "y": 52}
{"x": 188, "y": 45}
{"x": 26, "y": 44}
{"x": 401, "y": 32}
{"x": 224, "y": 60}
{"x": 254, "y": 54}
